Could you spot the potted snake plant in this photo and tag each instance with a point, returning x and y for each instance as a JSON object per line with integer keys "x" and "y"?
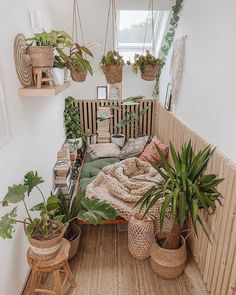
{"x": 112, "y": 65}
{"x": 186, "y": 189}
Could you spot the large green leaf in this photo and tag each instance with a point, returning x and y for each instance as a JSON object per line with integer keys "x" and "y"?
{"x": 96, "y": 211}
{"x": 7, "y": 223}
{"x": 32, "y": 179}
{"x": 15, "y": 194}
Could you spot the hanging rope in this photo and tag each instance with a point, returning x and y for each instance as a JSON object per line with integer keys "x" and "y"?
{"x": 112, "y": 13}
{"x": 76, "y": 18}
{"x": 150, "y": 9}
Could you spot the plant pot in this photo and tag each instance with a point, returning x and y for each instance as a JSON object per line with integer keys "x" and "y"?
{"x": 46, "y": 249}
{"x": 58, "y": 75}
{"x": 78, "y": 142}
{"x": 140, "y": 236}
{"x": 168, "y": 263}
{"x": 66, "y": 74}
{"x": 41, "y": 56}
{"x": 118, "y": 139}
{"x": 113, "y": 73}
{"x": 150, "y": 72}
{"x": 78, "y": 75}
{"x": 74, "y": 242}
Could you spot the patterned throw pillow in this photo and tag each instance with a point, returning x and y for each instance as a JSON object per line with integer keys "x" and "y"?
{"x": 150, "y": 153}
{"x": 103, "y": 150}
{"x": 133, "y": 147}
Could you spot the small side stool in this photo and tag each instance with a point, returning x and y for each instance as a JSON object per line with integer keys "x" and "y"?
{"x": 52, "y": 266}
{"x": 39, "y": 79}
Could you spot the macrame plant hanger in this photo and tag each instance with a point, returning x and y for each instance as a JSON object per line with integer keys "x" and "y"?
{"x": 76, "y": 20}
{"x": 150, "y": 10}
{"x": 111, "y": 13}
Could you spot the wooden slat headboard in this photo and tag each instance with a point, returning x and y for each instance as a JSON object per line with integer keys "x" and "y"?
{"x": 88, "y": 116}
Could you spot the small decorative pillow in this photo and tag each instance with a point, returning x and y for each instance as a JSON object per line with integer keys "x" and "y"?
{"x": 133, "y": 147}
{"x": 150, "y": 153}
{"x": 103, "y": 150}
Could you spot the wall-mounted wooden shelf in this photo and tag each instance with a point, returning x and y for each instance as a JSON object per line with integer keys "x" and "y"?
{"x": 44, "y": 91}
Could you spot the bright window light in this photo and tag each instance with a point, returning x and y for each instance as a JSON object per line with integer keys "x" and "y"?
{"x": 133, "y": 25}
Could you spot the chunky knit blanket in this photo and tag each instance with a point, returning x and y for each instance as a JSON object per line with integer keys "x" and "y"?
{"x": 122, "y": 184}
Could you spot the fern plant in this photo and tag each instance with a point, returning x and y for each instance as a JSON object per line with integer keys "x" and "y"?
{"x": 186, "y": 188}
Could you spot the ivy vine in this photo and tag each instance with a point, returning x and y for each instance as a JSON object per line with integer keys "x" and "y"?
{"x": 169, "y": 38}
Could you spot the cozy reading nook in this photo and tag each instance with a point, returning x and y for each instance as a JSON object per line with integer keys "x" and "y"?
{"x": 117, "y": 147}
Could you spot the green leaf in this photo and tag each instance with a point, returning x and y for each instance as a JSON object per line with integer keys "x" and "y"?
{"x": 95, "y": 211}
{"x": 182, "y": 207}
{"x": 15, "y": 194}
{"x": 32, "y": 179}
{"x": 7, "y": 223}
{"x": 164, "y": 206}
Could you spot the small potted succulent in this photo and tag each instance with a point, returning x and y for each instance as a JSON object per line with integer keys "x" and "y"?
{"x": 148, "y": 65}
{"x": 186, "y": 189}
{"x": 74, "y": 135}
{"x": 42, "y": 45}
{"x": 77, "y": 62}
{"x": 44, "y": 232}
{"x": 112, "y": 65}
{"x": 82, "y": 208}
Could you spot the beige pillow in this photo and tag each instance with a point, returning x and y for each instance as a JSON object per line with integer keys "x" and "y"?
{"x": 103, "y": 150}
{"x": 134, "y": 147}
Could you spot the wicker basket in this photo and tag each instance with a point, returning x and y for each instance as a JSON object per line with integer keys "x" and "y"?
{"x": 113, "y": 73}
{"x": 46, "y": 249}
{"x": 150, "y": 72}
{"x": 41, "y": 56}
{"x": 78, "y": 75}
{"x": 140, "y": 236}
{"x": 74, "y": 244}
{"x": 168, "y": 263}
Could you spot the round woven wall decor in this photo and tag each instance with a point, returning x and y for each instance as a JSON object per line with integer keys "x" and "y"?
{"x": 22, "y": 61}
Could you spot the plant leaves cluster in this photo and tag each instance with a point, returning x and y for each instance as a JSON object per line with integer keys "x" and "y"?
{"x": 72, "y": 119}
{"x": 140, "y": 61}
{"x": 112, "y": 57}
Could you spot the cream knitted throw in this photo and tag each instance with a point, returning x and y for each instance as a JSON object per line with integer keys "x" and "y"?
{"x": 122, "y": 184}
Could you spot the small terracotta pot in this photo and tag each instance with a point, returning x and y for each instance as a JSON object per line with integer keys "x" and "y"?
{"x": 41, "y": 56}
{"x": 113, "y": 73}
{"x": 168, "y": 263}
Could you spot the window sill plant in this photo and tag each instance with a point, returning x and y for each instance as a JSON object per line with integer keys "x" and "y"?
{"x": 112, "y": 65}
{"x": 187, "y": 189}
{"x": 149, "y": 66}
{"x": 44, "y": 233}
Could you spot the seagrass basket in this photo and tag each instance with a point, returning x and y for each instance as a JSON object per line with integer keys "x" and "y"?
{"x": 41, "y": 56}
{"x": 150, "y": 72}
{"x": 113, "y": 73}
{"x": 78, "y": 75}
{"x": 140, "y": 236}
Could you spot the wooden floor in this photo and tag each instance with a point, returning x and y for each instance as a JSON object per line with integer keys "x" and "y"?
{"x": 103, "y": 266}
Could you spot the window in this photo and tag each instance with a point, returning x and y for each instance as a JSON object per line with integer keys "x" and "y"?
{"x": 135, "y": 31}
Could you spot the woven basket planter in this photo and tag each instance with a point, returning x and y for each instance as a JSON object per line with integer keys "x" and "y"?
{"x": 74, "y": 243}
{"x": 168, "y": 263}
{"x": 78, "y": 75}
{"x": 150, "y": 72}
{"x": 113, "y": 73}
{"x": 41, "y": 56}
{"x": 46, "y": 249}
{"x": 140, "y": 236}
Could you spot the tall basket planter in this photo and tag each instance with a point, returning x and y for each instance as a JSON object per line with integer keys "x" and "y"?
{"x": 41, "y": 56}
{"x": 113, "y": 73}
{"x": 140, "y": 236}
{"x": 150, "y": 72}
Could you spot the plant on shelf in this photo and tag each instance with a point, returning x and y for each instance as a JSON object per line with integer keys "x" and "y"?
{"x": 43, "y": 231}
{"x": 58, "y": 70}
{"x": 148, "y": 65}
{"x": 74, "y": 135}
{"x": 186, "y": 189}
{"x": 77, "y": 62}
{"x": 111, "y": 65}
{"x": 42, "y": 45}
{"x": 85, "y": 209}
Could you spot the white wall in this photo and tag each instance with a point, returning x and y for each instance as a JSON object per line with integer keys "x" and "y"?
{"x": 94, "y": 19}
{"x": 36, "y": 129}
{"x": 207, "y": 96}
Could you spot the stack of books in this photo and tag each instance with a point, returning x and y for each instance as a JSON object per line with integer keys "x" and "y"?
{"x": 103, "y": 127}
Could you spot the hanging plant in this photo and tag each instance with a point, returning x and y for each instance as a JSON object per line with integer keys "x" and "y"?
{"x": 148, "y": 65}
{"x": 169, "y": 38}
{"x": 111, "y": 65}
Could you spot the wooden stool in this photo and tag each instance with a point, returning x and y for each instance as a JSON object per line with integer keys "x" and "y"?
{"x": 38, "y": 76}
{"x": 53, "y": 266}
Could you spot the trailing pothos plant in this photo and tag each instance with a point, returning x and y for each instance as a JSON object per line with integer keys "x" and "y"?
{"x": 140, "y": 61}
{"x": 186, "y": 189}
{"x": 72, "y": 119}
{"x": 42, "y": 227}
